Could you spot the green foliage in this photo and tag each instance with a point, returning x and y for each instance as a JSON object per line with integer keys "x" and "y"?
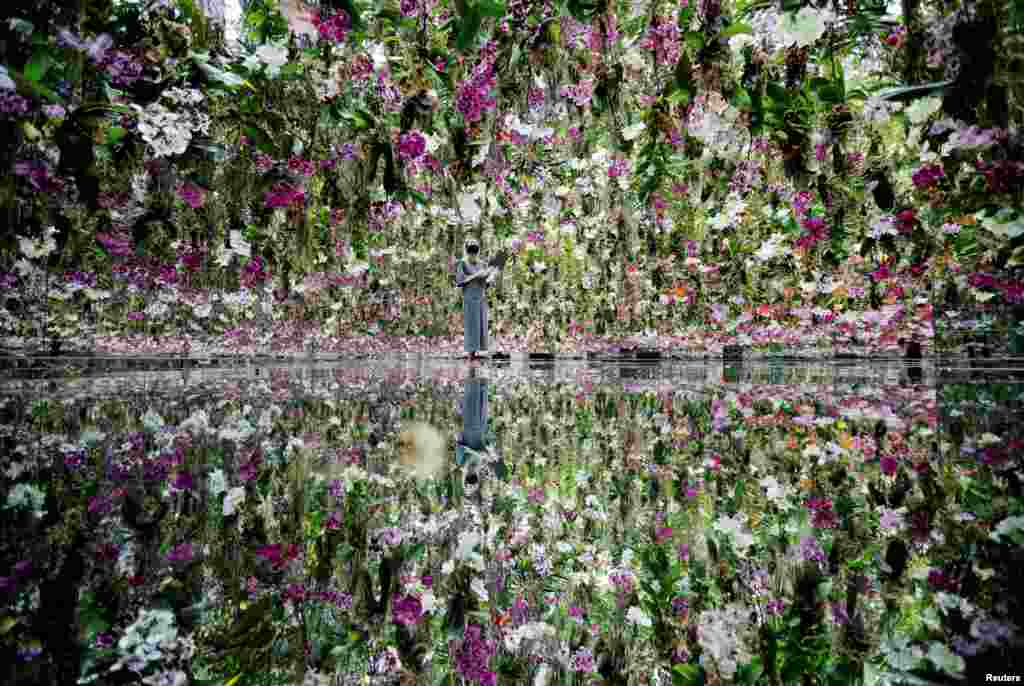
{"x": 264, "y": 23}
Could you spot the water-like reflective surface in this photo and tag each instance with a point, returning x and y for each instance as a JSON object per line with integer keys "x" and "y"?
{"x": 423, "y": 520}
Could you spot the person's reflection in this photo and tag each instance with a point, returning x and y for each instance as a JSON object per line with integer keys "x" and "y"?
{"x": 473, "y": 441}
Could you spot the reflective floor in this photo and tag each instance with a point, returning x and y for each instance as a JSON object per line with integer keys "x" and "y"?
{"x": 411, "y": 520}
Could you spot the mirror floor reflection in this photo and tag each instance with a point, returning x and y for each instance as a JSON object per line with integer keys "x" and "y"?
{"x": 426, "y": 521}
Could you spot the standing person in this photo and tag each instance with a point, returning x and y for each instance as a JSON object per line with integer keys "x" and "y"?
{"x": 473, "y": 277}
{"x": 476, "y": 434}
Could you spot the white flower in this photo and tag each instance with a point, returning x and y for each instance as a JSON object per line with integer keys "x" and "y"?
{"x": 274, "y": 56}
{"x": 233, "y": 499}
{"x": 1008, "y": 527}
{"x": 26, "y": 496}
{"x": 771, "y": 248}
{"x": 151, "y": 421}
{"x": 919, "y": 110}
{"x": 773, "y": 489}
{"x": 36, "y": 249}
{"x": 217, "y": 482}
{"x": 806, "y": 27}
{"x": 946, "y": 660}
{"x": 469, "y": 208}
{"x": 198, "y": 422}
{"x": 6, "y": 82}
{"x": 631, "y": 132}
{"x": 637, "y": 616}
{"x": 634, "y": 59}
{"x": 479, "y": 588}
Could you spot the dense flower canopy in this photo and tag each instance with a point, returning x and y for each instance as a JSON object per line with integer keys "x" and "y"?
{"x": 693, "y": 173}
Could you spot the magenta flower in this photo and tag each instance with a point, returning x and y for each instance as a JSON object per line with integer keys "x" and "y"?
{"x": 284, "y": 195}
{"x": 888, "y": 465}
{"x": 663, "y": 534}
{"x": 191, "y": 194}
{"x": 333, "y": 521}
{"x": 183, "y": 482}
{"x": 295, "y": 593}
{"x": 301, "y": 167}
{"x": 333, "y": 27}
{"x": 277, "y": 554}
{"x": 619, "y": 167}
{"x": 928, "y": 176}
{"x": 411, "y": 146}
{"x": 406, "y": 610}
{"x": 181, "y": 553}
{"x": 38, "y": 173}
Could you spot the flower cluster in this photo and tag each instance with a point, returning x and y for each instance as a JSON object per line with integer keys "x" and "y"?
{"x": 167, "y": 133}
{"x": 816, "y": 231}
{"x": 123, "y": 68}
{"x": 928, "y": 176}
{"x": 411, "y": 145}
{"x": 333, "y": 27}
{"x": 474, "y": 97}
{"x": 822, "y": 514}
{"x": 406, "y": 610}
{"x": 580, "y": 93}
{"x": 284, "y": 195}
{"x": 619, "y": 167}
{"x": 253, "y": 273}
{"x": 301, "y": 167}
{"x": 38, "y": 173}
{"x": 473, "y": 657}
{"x": 381, "y": 214}
{"x": 13, "y": 104}
{"x": 663, "y": 38}
{"x": 723, "y": 635}
{"x": 582, "y": 661}
{"x": 263, "y": 163}
{"x": 1002, "y": 176}
{"x": 192, "y": 195}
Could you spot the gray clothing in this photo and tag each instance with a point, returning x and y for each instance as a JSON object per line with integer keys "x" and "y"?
{"x": 474, "y": 414}
{"x": 474, "y": 305}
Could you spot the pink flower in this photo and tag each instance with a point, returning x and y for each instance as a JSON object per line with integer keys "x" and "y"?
{"x": 411, "y": 146}
{"x": 181, "y": 553}
{"x": 191, "y": 194}
{"x": 888, "y": 465}
{"x": 406, "y": 610}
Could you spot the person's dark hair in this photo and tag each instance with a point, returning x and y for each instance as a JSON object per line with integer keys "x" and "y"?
{"x": 473, "y": 249}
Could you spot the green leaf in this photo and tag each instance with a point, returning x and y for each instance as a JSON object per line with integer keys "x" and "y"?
{"x": 115, "y": 134}
{"x": 680, "y": 96}
{"x": 686, "y": 675}
{"x": 741, "y": 99}
{"x": 292, "y": 70}
{"x": 736, "y": 29}
{"x": 908, "y": 93}
{"x": 469, "y": 27}
{"x": 776, "y": 92}
{"x": 37, "y": 67}
{"x": 695, "y": 39}
{"x": 831, "y": 93}
{"x": 21, "y": 26}
{"x": 491, "y": 8}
